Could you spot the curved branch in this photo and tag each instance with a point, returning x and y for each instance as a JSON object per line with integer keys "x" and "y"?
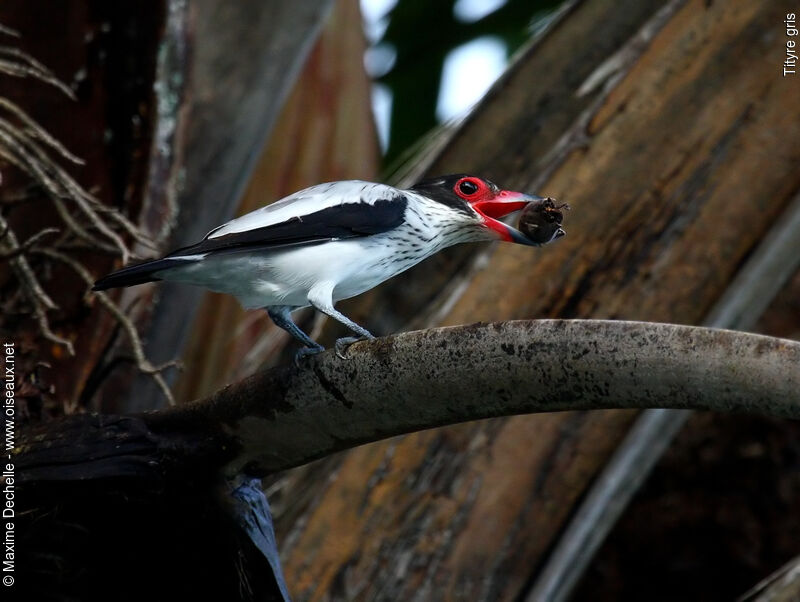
{"x": 417, "y": 380}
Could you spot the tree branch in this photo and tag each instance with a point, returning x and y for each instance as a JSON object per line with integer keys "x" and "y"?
{"x": 782, "y": 585}
{"x": 288, "y": 416}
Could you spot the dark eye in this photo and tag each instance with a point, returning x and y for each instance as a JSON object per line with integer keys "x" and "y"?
{"x": 468, "y": 187}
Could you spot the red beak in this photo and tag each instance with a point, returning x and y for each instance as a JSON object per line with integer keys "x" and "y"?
{"x": 503, "y": 204}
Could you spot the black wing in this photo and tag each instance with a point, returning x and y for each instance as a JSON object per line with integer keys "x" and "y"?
{"x": 348, "y": 220}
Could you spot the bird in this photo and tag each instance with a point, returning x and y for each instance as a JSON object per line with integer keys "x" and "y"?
{"x": 334, "y": 241}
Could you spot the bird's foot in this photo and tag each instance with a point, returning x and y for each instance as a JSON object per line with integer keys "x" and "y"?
{"x": 306, "y": 351}
{"x": 345, "y": 342}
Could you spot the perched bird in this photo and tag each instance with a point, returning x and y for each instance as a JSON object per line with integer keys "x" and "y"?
{"x": 334, "y": 241}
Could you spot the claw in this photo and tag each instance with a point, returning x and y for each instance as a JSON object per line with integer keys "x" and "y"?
{"x": 306, "y": 351}
{"x": 342, "y": 345}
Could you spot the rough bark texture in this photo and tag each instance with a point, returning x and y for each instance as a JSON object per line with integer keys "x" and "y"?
{"x": 718, "y": 514}
{"x": 420, "y": 380}
{"x": 107, "y": 54}
{"x": 663, "y": 159}
{"x": 412, "y": 381}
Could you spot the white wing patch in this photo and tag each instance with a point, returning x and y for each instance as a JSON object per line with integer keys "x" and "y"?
{"x": 307, "y": 201}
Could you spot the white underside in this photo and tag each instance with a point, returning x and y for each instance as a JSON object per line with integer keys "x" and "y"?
{"x": 290, "y": 276}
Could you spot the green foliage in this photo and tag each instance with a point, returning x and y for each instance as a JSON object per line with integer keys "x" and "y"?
{"x": 422, "y": 35}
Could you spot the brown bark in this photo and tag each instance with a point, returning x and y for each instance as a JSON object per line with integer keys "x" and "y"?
{"x": 717, "y": 515}
{"x": 106, "y": 53}
{"x": 721, "y": 503}
{"x": 671, "y": 188}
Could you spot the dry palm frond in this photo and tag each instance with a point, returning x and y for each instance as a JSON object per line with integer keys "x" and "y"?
{"x": 142, "y": 363}
{"x": 17, "y": 63}
{"x": 86, "y": 222}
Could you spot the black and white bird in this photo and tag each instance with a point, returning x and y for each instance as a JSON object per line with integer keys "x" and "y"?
{"x": 334, "y": 241}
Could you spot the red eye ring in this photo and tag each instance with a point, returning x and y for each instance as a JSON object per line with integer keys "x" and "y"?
{"x": 468, "y": 187}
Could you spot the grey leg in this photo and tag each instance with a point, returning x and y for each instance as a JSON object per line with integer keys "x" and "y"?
{"x": 282, "y": 316}
{"x": 344, "y": 342}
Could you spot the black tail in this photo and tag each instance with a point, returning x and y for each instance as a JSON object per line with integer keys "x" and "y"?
{"x": 136, "y": 274}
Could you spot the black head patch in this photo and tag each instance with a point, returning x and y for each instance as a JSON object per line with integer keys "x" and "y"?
{"x": 441, "y": 189}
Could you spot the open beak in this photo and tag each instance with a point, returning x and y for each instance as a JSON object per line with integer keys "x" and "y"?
{"x": 502, "y": 205}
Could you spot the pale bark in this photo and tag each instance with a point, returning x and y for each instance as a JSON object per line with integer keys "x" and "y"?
{"x": 782, "y": 586}
{"x": 288, "y": 416}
